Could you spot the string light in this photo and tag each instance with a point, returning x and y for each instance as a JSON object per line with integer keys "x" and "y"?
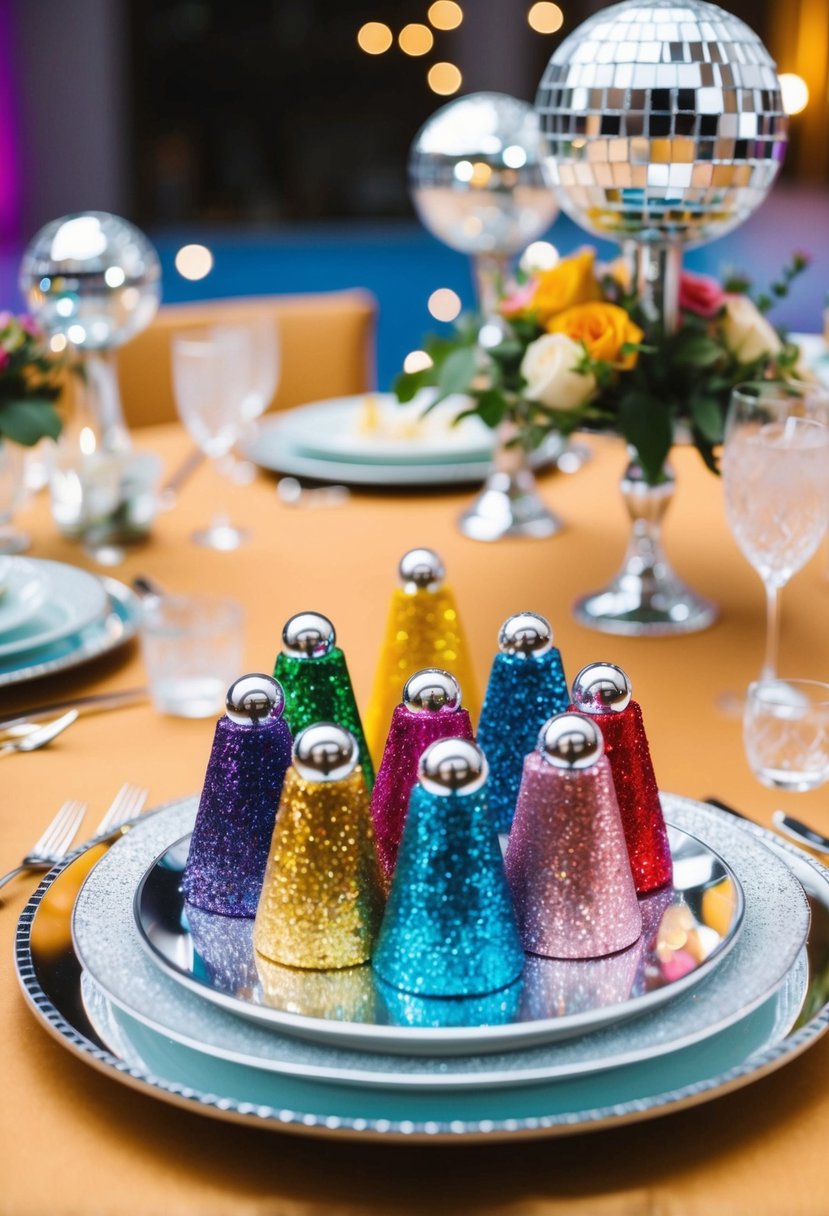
{"x": 445, "y": 15}
{"x": 374, "y": 38}
{"x": 795, "y": 92}
{"x": 444, "y": 304}
{"x": 444, "y": 78}
{"x": 416, "y": 39}
{"x": 545, "y": 18}
{"x": 194, "y": 262}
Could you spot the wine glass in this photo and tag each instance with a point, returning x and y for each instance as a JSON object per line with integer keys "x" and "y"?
{"x": 12, "y": 492}
{"x": 212, "y": 377}
{"x": 260, "y": 375}
{"x": 776, "y": 476}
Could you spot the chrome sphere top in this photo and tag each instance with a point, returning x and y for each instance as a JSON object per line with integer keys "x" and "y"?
{"x": 325, "y": 752}
{"x": 421, "y": 570}
{"x": 308, "y": 635}
{"x": 432, "y": 690}
{"x": 93, "y": 278}
{"x": 601, "y": 688}
{"x": 525, "y": 633}
{"x": 253, "y": 698}
{"x": 571, "y": 741}
{"x": 452, "y": 766}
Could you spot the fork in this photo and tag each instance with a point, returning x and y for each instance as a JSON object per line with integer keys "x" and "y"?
{"x": 54, "y": 844}
{"x": 127, "y": 804}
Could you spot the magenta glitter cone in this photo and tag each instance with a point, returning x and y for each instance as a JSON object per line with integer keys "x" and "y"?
{"x": 603, "y": 691}
{"x": 567, "y": 860}
{"x": 431, "y": 710}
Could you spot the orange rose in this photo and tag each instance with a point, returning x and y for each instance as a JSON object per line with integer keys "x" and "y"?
{"x": 603, "y": 328}
{"x": 571, "y": 281}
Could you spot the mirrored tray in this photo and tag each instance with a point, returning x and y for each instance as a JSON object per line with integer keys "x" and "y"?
{"x": 687, "y": 930}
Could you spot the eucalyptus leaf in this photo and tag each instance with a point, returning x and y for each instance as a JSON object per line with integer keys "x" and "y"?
{"x": 26, "y": 422}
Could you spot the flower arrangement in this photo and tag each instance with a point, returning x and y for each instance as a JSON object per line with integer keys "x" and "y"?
{"x": 31, "y": 379}
{"x": 575, "y": 351}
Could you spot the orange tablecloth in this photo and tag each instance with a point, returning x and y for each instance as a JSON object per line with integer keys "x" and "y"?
{"x": 76, "y": 1142}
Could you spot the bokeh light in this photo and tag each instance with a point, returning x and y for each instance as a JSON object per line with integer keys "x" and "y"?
{"x": 374, "y": 38}
{"x": 444, "y": 304}
{"x": 795, "y": 92}
{"x": 540, "y": 255}
{"x": 416, "y": 39}
{"x": 545, "y": 18}
{"x": 444, "y": 78}
{"x": 416, "y": 361}
{"x": 194, "y": 262}
{"x": 445, "y": 15}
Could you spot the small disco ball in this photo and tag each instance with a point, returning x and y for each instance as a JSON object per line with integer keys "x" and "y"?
{"x": 479, "y": 177}
{"x": 665, "y": 121}
{"x": 93, "y": 278}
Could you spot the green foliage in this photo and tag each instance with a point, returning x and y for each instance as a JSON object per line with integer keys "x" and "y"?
{"x": 30, "y": 380}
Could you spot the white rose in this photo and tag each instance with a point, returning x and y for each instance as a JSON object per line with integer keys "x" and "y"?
{"x": 746, "y": 332}
{"x": 548, "y": 368}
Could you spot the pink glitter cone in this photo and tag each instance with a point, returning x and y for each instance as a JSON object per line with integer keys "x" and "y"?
{"x": 603, "y": 691}
{"x": 567, "y": 860}
{"x": 431, "y": 710}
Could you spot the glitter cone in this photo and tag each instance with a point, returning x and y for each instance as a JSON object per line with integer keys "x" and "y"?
{"x": 492, "y": 1009}
{"x": 526, "y": 687}
{"x": 423, "y": 630}
{"x": 343, "y": 995}
{"x": 431, "y": 710}
{"x": 242, "y": 786}
{"x": 567, "y": 861}
{"x": 321, "y": 899}
{"x": 449, "y": 928}
{"x": 603, "y": 691}
{"x": 312, "y": 670}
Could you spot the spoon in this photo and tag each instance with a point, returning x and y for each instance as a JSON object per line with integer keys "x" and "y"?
{"x": 41, "y": 736}
{"x": 787, "y": 824}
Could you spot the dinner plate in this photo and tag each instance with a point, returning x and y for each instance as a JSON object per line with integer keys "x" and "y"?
{"x": 22, "y": 589}
{"x": 376, "y": 428}
{"x": 117, "y": 625}
{"x": 50, "y": 977}
{"x": 72, "y": 599}
{"x": 772, "y": 935}
{"x": 213, "y": 956}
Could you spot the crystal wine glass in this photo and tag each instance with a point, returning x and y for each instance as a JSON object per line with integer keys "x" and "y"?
{"x": 213, "y": 378}
{"x": 776, "y": 477}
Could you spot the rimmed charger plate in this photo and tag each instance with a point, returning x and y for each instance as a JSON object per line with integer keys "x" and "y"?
{"x": 72, "y": 599}
{"x": 50, "y": 977}
{"x": 22, "y": 589}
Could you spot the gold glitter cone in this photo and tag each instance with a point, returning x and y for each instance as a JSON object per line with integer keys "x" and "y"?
{"x": 343, "y": 995}
{"x": 321, "y": 900}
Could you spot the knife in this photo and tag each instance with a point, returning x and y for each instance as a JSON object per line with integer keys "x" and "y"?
{"x": 84, "y": 705}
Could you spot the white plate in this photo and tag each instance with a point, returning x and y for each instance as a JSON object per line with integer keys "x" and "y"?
{"x": 22, "y": 589}
{"x": 772, "y": 935}
{"x": 375, "y": 428}
{"x": 72, "y": 599}
{"x": 157, "y": 1067}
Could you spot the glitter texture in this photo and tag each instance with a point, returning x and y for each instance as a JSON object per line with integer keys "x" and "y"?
{"x": 224, "y": 949}
{"x": 423, "y": 630}
{"x": 555, "y": 987}
{"x": 626, "y": 745}
{"x": 522, "y": 693}
{"x": 492, "y": 1009}
{"x": 242, "y": 785}
{"x": 321, "y": 898}
{"x": 449, "y": 927}
{"x": 319, "y": 690}
{"x": 567, "y": 863}
{"x": 344, "y": 995}
{"x": 411, "y": 733}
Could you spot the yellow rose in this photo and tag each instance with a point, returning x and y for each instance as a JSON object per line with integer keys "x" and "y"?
{"x": 603, "y": 328}
{"x": 571, "y": 281}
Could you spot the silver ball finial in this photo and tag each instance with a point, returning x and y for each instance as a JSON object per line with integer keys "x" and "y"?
{"x": 452, "y": 766}
{"x": 421, "y": 570}
{"x": 432, "y": 689}
{"x": 253, "y": 698}
{"x": 325, "y": 752}
{"x": 526, "y": 633}
{"x": 308, "y": 635}
{"x": 571, "y": 741}
{"x": 601, "y": 688}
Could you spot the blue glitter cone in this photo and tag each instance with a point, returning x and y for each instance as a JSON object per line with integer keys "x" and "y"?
{"x": 250, "y": 756}
{"x": 449, "y": 928}
{"x": 526, "y": 687}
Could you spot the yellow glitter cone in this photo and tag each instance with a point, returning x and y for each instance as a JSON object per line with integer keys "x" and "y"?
{"x": 423, "y": 630}
{"x": 344, "y": 995}
{"x": 321, "y": 900}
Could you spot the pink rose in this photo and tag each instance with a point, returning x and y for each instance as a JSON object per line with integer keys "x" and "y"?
{"x": 519, "y": 299}
{"x": 5, "y": 359}
{"x": 30, "y": 325}
{"x": 700, "y": 294}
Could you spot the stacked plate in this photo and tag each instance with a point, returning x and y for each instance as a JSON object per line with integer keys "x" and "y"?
{"x": 373, "y": 440}
{"x": 54, "y": 616}
{"x": 176, "y": 1003}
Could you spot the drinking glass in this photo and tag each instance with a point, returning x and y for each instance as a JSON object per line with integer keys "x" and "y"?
{"x": 776, "y": 477}
{"x": 786, "y": 733}
{"x": 192, "y": 649}
{"x": 223, "y": 378}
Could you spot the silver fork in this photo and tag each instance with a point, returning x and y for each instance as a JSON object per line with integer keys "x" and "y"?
{"x": 54, "y": 844}
{"x": 127, "y": 804}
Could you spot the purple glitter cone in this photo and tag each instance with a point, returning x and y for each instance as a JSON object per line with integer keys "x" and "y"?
{"x": 411, "y": 732}
{"x": 250, "y": 756}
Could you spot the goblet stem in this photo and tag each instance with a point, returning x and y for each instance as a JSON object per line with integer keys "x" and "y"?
{"x": 769, "y": 668}
{"x": 220, "y": 533}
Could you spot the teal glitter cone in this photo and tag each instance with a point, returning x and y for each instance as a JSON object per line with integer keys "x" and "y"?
{"x": 318, "y": 689}
{"x": 522, "y": 693}
{"x": 492, "y": 1009}
{"x": 449, "y": 928}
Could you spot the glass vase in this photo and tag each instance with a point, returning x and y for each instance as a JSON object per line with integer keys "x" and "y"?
{"x": 509, "y": 503}
{"x": 646, "y": 598}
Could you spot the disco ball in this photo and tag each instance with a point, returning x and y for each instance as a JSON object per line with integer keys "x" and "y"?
{"x": 479, "y": 176}
{"x": 665, "y": 122}
{"x": 94, "y": 278}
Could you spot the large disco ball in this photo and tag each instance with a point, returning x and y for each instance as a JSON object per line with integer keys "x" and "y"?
{"x": 665, "y": 121}
{"x": 92, "y": 277}
{"x": 479, "y": 176}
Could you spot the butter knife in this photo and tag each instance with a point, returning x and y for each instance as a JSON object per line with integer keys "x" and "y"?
{"x": 94, "y": 703}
